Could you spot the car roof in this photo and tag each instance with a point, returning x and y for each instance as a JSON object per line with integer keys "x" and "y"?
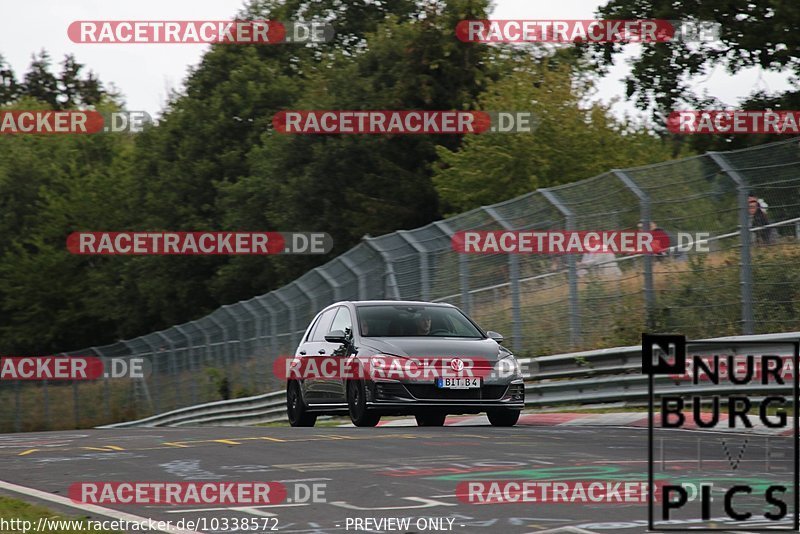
{"x": 390, "y": 303}
{"x": 400, "y": 303}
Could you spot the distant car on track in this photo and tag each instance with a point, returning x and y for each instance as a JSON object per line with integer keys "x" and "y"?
{"x": 402, "y": 358}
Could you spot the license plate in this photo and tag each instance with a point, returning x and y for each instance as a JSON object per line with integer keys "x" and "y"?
{"x": 458, "y": 383}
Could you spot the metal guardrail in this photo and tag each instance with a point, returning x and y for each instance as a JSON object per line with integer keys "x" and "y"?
{"x": 265, "y": 408}
{"x": 588, "y": 377}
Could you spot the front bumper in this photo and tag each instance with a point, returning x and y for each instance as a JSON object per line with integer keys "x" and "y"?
{"x": 411, "y": 394}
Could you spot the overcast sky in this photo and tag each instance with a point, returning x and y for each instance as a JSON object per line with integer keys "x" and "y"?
{"x": 145, "y": 73}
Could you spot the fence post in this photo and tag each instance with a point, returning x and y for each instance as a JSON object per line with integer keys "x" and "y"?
{"x": 106, "y": 389}
{"x": 18, "y": 407}
{"x": 156, "y": 375}
{"x": 142, "y": 383}
{"x": 425, "y": 284}
{"x": 513, "y": 274}
{"x": 745, "y": 267}
{"x": 226, "y": 350}
{"x": 336, "y": 286}
{"x": 190, "y": 366}
{"x": 645, "y": 215}
{"x": 173, "y": 369}
{"x": 391, "y": 290}
{"x": 259, "y": 333}
{"x": 238, "y": 352}
{"x": 463, "y": 282}
{"x": 273, "y": 324}
{"x": 46, "y": 402}
{"x": 292, "y": 318}
{"x": 76, "y": 410}
{"x": 362, "y": 279}
{"x": 463, "y": 269}
{"x": 310, "y": 295}
{"x": 574, "y": 303}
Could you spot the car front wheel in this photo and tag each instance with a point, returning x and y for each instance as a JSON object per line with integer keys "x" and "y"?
{"x": 296, "y": 408}
{"x": 503, "y": 417}
{"x": 357, "y": 405}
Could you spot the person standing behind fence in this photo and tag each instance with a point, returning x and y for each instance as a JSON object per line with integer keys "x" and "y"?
{"x": 664, "y": 254}
{"x": 758, "y": 217}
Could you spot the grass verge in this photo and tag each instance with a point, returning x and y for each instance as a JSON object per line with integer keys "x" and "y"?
{"x": 13, "y": 509}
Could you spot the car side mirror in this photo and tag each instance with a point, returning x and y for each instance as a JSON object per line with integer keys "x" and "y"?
{"x": 494, "y": 335}
{"x": 336, "y": 336}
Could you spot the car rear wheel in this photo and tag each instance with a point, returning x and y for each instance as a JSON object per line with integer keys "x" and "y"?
{"x": 503, "y": 417}
{"x": 430, "y": 419}
{"x": 357, "y": 404}
{"x": 296, "y": 408}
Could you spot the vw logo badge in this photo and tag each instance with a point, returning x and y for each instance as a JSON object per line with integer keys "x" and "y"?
{"x": 457, "y": 365}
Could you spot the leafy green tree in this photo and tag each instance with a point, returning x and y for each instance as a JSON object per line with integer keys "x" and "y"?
{"x": 51, "y": 185}
{"x": 751, "y": 34}
{"x": 200, "y": 150}
{"x": 761, "y": 100}
{"x": 571, "y": 140}
{"x": 352, "y": 185}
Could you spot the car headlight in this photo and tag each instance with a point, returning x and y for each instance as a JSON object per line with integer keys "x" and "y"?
{"x": 508, "y": 365}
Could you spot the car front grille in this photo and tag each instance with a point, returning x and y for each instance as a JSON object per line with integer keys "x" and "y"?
{"x": 431, "y": 392}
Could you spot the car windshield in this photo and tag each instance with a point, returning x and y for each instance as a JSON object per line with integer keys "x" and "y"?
{"x": 406, "y": 321}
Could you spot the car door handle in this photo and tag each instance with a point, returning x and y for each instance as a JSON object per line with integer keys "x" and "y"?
{"x": 302, "y": 353}
{"x": 322, "y": 351}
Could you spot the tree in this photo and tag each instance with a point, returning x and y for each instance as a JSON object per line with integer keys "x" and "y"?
{"x": 752, "y": 34}
{"x": 77, "y": 91}
{"x": 69, "y": 82}
{"x": 51, "y": 185}
{"x": 352, "y": 185}
{"x": 68, "y": 90}
{"x": 40, "y": 83}
{"x": 9, "y": 88}
{"x": 572, "y": 140}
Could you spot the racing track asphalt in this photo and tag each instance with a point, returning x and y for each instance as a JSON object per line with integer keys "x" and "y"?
{"x": 391, "y": 471}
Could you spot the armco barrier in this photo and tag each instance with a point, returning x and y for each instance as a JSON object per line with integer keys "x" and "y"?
{"x": 589, "y": 377}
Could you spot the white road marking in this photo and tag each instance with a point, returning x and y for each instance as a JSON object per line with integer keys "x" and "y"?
{"x": 426, "y": 503}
